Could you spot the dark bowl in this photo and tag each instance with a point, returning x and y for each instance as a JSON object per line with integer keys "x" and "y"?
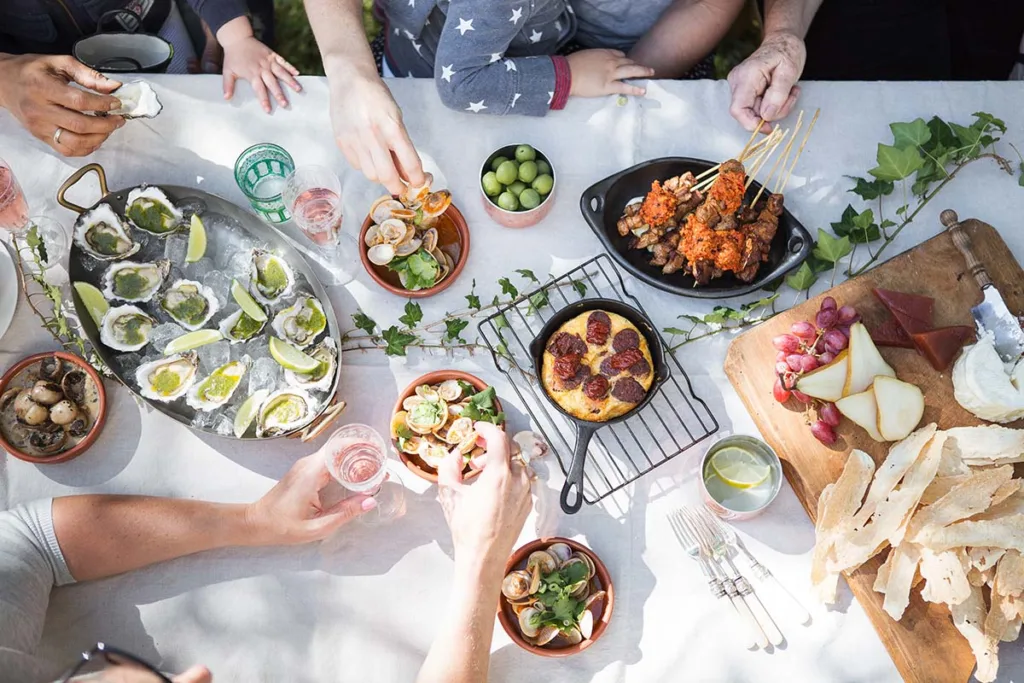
{"x": 602, "y": 205}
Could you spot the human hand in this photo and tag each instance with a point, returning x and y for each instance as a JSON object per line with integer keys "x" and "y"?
{"x": 36, "y": 90}
{"x": 486, "y": 516}
{"x": 764, "y": 84}
{"x": 602, "y": 72}
{"x": 291, "y": 512}
{"x": 247, "y": 58}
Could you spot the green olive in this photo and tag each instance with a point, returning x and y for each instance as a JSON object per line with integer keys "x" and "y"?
{"x": 517, "y": 187}
{"x": 543, "y": 167}
{"x": 543, "y": 184}
{"x": 498, "y": 161}
{"x": 492, "y": 188}
{"x": 528, "y": 171}
{"x": 529, "y": 199}
{"x": 525, "y": 153}
{"x": 507, "y": 172}
{"x": 508, "y": 201}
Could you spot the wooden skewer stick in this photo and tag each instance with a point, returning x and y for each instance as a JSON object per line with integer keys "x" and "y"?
{"x": 756, "y": 169}
{"x": 756, "y": 146}
{"x": 799, "y": 151}
{"x": 781, "y": 161}
{"x": 758, "y": 159}
{"x": 753, "y": 135}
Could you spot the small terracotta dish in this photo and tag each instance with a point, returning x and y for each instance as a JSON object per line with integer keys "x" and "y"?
{"x": 67, "y": 409}
{"x": 415, "y": 463}
{"x": 517, "y": 219}
{"x": 600, "y": 586}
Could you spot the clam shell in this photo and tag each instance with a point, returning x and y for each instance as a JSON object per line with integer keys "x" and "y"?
{"x": 403, "y": 214}
{"x": 381, "y": 254}
{"x": 516, "y": 585}
{"x": 561, "y": 551}
{"x": 104, "y": 222}
{"x": 430, "y": 240}
{"x": 546, "y": 635}
{"x": 529, "y": 622}
{"x": 382, "y": 208}
{"x": 393, "y": 231}
{"x": 433, "y": 455}
{"x": 427, "y": 392}
{"x": 459, "y": 431}
{"x": 408, "y": 248}
{"x": 413, "y": 195}
{"x": 372, "y": 237}
{"x": 436, "y": 203}
{"x": 542, "y": 559}
{"x": 411, "y": 402}
{"x": 113, "y": 327}
{"x": 450, "y": 390}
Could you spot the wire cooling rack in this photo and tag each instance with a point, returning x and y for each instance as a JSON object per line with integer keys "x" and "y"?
{"x": 674, "y": 421}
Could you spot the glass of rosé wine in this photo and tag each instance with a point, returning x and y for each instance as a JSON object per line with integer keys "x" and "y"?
{"x": 357, "y": 458}
{"x": 313, "y": 196}
{"x": 13, "y": 207}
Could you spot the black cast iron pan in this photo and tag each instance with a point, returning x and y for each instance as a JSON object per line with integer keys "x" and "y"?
{"x": 585, "y": 429}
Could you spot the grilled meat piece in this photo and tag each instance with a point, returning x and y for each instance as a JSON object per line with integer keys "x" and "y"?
{"x": 689, "y": 204}
{"x": 674, "y": 264}
{"x": 729, "y": 222}
{"x": 658, "y": 206}
{"x": 708, "y": 214}
{"x": 649, "y": 238}
{"x": 630, "y": 221}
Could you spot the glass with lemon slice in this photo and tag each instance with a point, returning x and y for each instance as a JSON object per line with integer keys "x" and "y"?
{"x": 740, "y": 475}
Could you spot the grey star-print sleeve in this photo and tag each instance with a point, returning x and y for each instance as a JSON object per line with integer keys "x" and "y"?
{"x": 473, "y": 73}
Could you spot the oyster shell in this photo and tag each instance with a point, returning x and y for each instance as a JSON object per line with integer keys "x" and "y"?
{"x": 191, "y": 304}
{"x": 284, "y": 411}
{"x": 102, "y": 234}
{"x": 149, "y": 209}
{"x": 138, "y": 100}
{"x": 132, "y": 281}
{"x": 168, "y": 378}
{"x": 218, "y": 387}
{"x": 320, "y": 379}
{"x": 271, "y": 278}
{"x": 126, "y": 328}
{"x": 239, "y": 327}
{"x": 301, "y": 323}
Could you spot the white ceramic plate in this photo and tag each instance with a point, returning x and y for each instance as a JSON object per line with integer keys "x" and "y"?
{"x": 8, "y": 288}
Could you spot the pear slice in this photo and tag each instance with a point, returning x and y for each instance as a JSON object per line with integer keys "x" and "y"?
{"x": 866, "y": 362}
{"x": 900, "y": 407}
{"x": 862, "y": 409}
{"x": 827, "y": 381}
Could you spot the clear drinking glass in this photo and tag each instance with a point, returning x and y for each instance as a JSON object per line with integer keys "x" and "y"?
{"x": 313, "y": 196}
{"x": 55, "y": 246}
{"x": 13, "y": 207}
{"x": 357, "y": 458}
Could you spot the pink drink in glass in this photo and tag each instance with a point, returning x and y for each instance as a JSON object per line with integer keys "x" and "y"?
{"x": 356, "y": 458}
{"x": 13, "y": 207}
{"x": 318, "y": 212}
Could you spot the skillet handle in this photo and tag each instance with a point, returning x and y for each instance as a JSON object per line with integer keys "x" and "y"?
{"x": 73, "y": 180}
{"x": 573, "y": 486}
{"x": 592, "y": 201}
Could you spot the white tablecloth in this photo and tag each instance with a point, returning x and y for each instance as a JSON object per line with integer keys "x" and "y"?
{"x": 363, "y": 605}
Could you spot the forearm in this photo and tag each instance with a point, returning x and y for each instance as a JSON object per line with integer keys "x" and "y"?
{"x": 235, "y": 30}
{"x": 685, "y": 33}
{"x": 218, "y": 13}
{"x": 338, "y": 28}
{"x": 789, "y": 16}
{"x": 103, "y": 535}
{"x": 461, "y": 651}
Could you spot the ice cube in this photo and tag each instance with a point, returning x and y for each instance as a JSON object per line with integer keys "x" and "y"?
{"x": 90, "y": 263}
{"x": 199, "y": 269}
{"x": 220, "y": 283}
{"x": 212, "y": 356}
{"x": 202, "y": 420}
{"x": 257, "y": 348}
{"x": 176, "y": 247}
{"x": 238, "y": 264}
{"x": 264, "y": 374}
{"x": 189, "y": 206}
{"x": 127, "y": 363}
{"x": 162, "y": 334}
{"x": 223, "y": 425}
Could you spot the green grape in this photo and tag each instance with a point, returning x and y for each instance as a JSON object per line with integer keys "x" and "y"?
{"x": 525, "y": 153}
{"x": 508, "y": 201}
{"x": 529, "y": 199}
{"x": 492, "y": 188}
{"x": 543, "y": 184}
{"x": 543, "y": 167}
{"x": 507, "y": 172}
{"x": 498, "y": 161}
{"x": 528, "y": 171}
{"x": 517, "y": 187}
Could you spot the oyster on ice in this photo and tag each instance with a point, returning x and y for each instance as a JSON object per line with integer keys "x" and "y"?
{"x": 126, "y": 328}
{"x": 149, "y": 209}
{"x": 102, "y": 234}
{"x": 284, "y": 411}
{"x": 132, "y": 281}
{"x": 301, "y": 322}
{"x": 168, "y": 378}
{"x": 240, "y": 327}
{"x": 272, "y": 279}
{"x": 138, "y": 100}
{"x": 217, "y": 388}
{"x": 190, "y": 303}
{"x": 320, "y": 379}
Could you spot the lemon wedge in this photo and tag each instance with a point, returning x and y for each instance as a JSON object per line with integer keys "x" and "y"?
{"x": 94, "y": 301}
{"x": 192, "y": 340}
{"x": 196, "y": 240}
{"x": 739, "y": 468}
{"x": 291, "y": 358}
{"x": 247, "y": 303}
{"x": 247, "y": 412}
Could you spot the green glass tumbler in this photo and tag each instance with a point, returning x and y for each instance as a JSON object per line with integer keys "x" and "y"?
{"x": 260, "y": 172}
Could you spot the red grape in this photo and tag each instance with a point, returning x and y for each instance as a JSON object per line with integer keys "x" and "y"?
{"x": 789, "y": 380}
{"x": 781, "y": 357}
{"x": 781, "y": 368}
{"x": 794, "y": 362}
{"x": 826, "y": 358}
{"x": 826, "y": 318}
{"x": 823, "y": 432}
{"x": 835, "y": 341}
{"x": 819, "y": 347}
{"x": 848, "y": 315}
{"x": 808, "y": 363}
{"x": 830, "y": 414}
{"x": 801, "y": 396}
{"x": 845, "y": 329}
{"x": 787, "y": 343}
{"x": 803, "y": 330}
{"x": 780, "y": 392}
{"x": 828, "y": 303}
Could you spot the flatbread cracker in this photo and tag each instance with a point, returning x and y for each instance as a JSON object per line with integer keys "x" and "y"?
{"x": 969, "y": 618}
{"x": 980, "y": 446}
{"x": 901, "y": 457}
{"x": 984, "y": 558}
{"x": 970, "y": 497}
{"x": 903, "y": 567}
{"x": 1009, "y": 578}
{"x": 945, "y": 575}
{"x": 941, "y": 485}
{"x": 1005, "y": 532}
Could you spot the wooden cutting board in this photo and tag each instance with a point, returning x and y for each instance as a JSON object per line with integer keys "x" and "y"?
{"x": 924, "y": 645}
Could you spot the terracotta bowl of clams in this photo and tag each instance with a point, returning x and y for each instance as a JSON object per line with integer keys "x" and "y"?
{"x": 52, "y": 408}
{"x": 556, "y": 597}
{"x": 415, "y": 244}
{"x": 435, "y": 414}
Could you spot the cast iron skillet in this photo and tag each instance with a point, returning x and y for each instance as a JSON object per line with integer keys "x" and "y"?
{"x": 585, "y": 429}
{"x": 602, "y": 205}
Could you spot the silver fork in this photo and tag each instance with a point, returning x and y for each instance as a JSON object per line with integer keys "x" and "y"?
{"x": 715, "y": 544}
{"x": 763, "y": 574}
{"x": 689, "y": 539}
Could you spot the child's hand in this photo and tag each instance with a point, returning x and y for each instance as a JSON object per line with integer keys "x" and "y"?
{"x": 601, "y": 72}
{"x": 246, "y": 57}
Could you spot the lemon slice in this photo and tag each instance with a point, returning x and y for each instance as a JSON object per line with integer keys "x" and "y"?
{"x": 247, "y": 412}
{"x": 94, "y": 301}
{"x": 247, "y": 303}
{"x": 291, "y": 358}
{"x": 192, "y": 340}
{"x": 739, "y": 468}
{"x": 196, "y": 240}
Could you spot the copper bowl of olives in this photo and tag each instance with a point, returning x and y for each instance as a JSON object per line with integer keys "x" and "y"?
{"x": 52, "y": 407}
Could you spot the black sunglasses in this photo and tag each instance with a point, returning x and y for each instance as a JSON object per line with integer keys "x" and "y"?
{"x": 104, "y": 655}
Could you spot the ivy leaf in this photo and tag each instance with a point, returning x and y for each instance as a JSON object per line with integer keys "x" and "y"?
{"x": 397, "y": 340}
{"x": 691, "y": 318}
{"x": 720, "y": 314}
{"x": 941, "y": 136}
{"x": 503, "y": 351}
{"x": 901, "y": 210}
{"x": 1020, "y": 180}
{"x": 675, "y": 331}
{"x": 538, "y": 300}
{"x": 364, "y": 322}
{"x": 413, "y": 314}
{"x": 859, "y": 227}
{"x": 913, "y": 134}
{"x": 830, "y": 248}
{"x": 886, "y": 224}
{"x": 501, "y": 321}
{"x": 760, "y": 303}
{"x": 453, "y": 329}
{"x": 983, "y": 120}
{"x": 895, "y": 163}
{"x": 968, "y": 136}
{"x": 871, "y": 189}
{"x": 528, "y": 274}
{"x": 472, "y": 300}
{"x": 508, "y": 288}
{"x": 580, "y": 288}
{"x": 802, "y": 279}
